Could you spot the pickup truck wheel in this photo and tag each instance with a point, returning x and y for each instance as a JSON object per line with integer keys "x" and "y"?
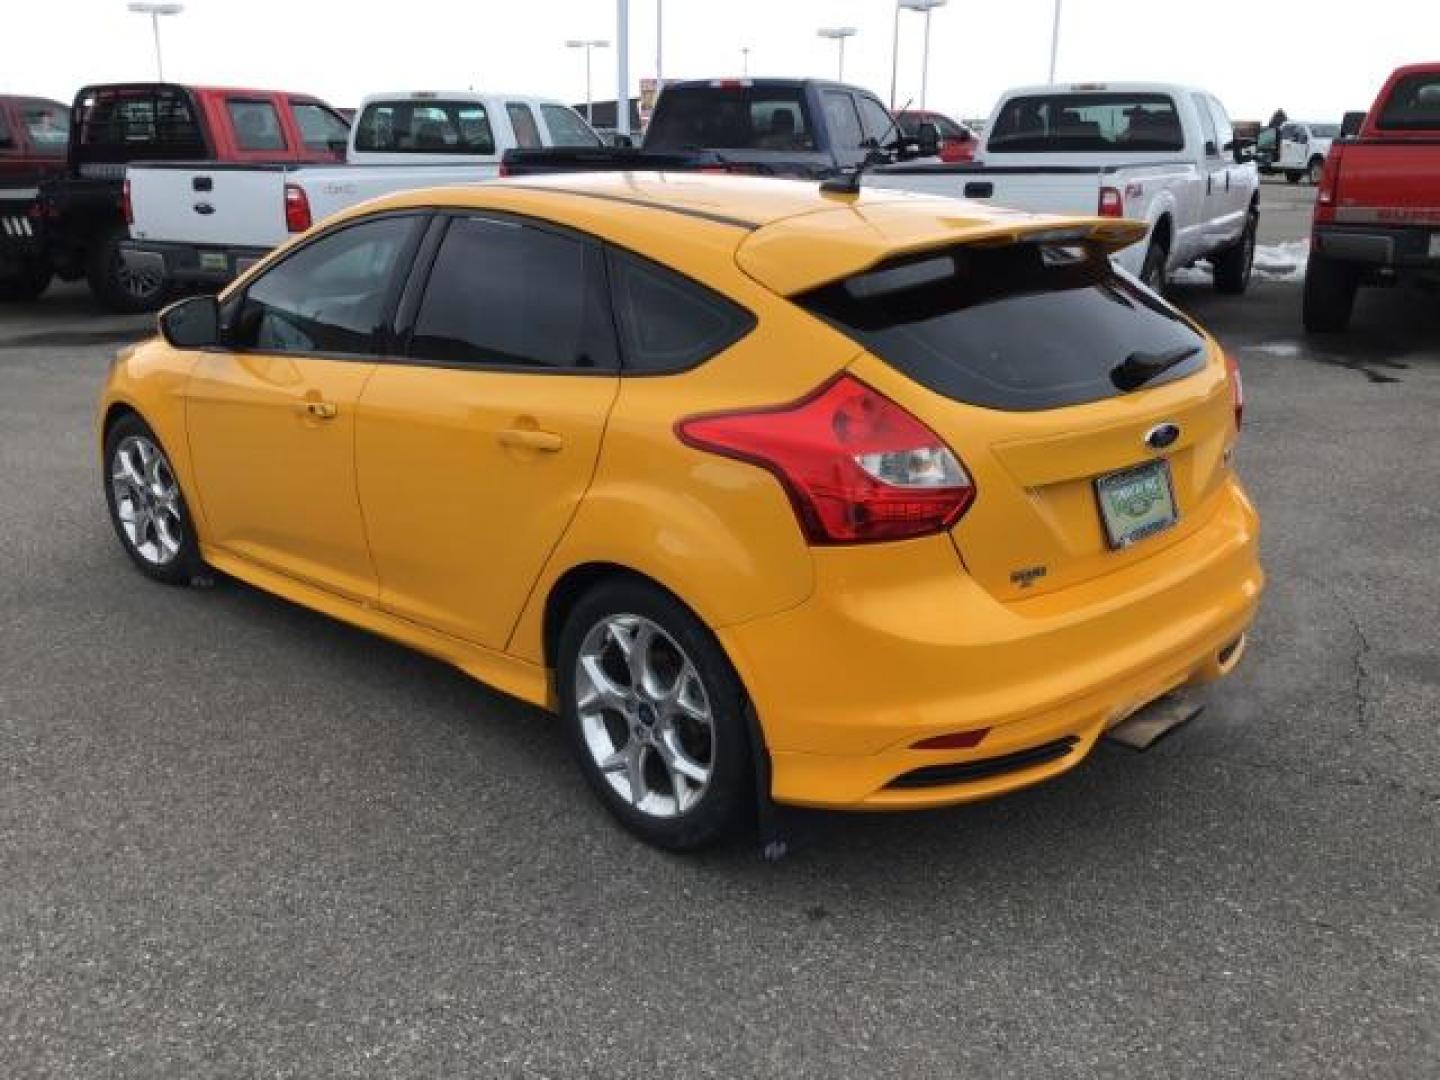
{"x": 1294, "y": 176}
{"x": 1153, "y": 270}
{"x": 114, "y": 284}
{"x": 28, "y": 283}
{"x": 1234, "y": 265}
{"x": 1317, "y": 169}
{"x": 1330, "y": 289}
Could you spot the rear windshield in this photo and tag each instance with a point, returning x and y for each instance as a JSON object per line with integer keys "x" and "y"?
{"x": 140, "y": 123}
{"x": 1020, "y": 327}
{"x": 731, "y": 118}
{"x": 1414, "y": 105}
{"x": 424, "y": 127}
{"x": 1086, "y": 123}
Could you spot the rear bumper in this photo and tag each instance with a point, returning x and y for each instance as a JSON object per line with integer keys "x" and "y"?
{"x": 190, "y": 264}
{"x": 1395, "y": 246}
{"x": 898, "y": 645}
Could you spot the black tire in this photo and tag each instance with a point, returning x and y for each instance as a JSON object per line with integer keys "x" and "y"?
{"x": 29, "y": 283}
{"x": 1330, "y": 289}
{"x": 1234, "y": 265}
{"x": 726, "y": 800}
{"x": 183, "y": 565}
{"x": 1315, "y": 170}
{"x": 113, "y": 284}
{"x": 1154, "y": 270}
{"x": 1293, "y": 176}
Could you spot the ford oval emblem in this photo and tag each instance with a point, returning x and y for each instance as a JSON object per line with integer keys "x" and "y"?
{"x": 1162, "y": 435}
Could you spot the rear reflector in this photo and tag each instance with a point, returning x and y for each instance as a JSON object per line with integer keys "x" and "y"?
{"x": 1237, "y": 389}
{"x": 959, "y": 740}
{"x": 297, "y": 208}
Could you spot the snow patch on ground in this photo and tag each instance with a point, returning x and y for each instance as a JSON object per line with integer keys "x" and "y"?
{"x": 1274, "y": 348}
{"x": 1273, "y": 262}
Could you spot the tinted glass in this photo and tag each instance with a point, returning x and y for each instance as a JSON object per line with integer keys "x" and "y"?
{"x": 1069, "y": 123}
{"x": 509, "y": 294}
{"x": 731, "y": 118}
{"x": 48, "y": 125}
{"x": 320, "y": 128}
{"x": 874, "y": 120}
{"x": 256, "y": 125}
{"x": 1414, "y": 105}
{"x": 1207, "y": 124}
{"x": 425, "y": 127}
{"x": 842, "y": 120}
{"x": 522, "y": 120}
{"x": 330, "y": 296}
{"x": 1021, "y": 327}
{"x": 1325, "y": 131}
{"x": 567, "y": 128}
{"x": 140, "y": 124}
{"x": 668, "y": 322}
{"x": 1224, "y": 132}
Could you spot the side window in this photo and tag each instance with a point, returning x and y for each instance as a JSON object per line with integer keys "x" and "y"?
{"x": 522, "y": 119}
{"x": 874, "y": 120}
{"x": 256, "y": 124}
{"x": 668, "y": 322}
{"x": 843, "y": 121}
{"x": 321, "y": 129}
{"x": 567, "y": 128}
{"x": 503, "y": 293}
{"x": 1224, "y": 130}
{"x": 330, "y": 296}
{"x": 1207, "y": 125}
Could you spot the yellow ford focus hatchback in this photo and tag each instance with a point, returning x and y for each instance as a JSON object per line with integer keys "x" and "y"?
{"x": 874, "y": 501}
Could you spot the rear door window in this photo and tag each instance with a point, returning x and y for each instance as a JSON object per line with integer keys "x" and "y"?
{"x": 256, "y": 125}
{"x": 731, "y": 117}
{"x": 567, "y": 128}
{"x": 1086, "y": 123}
{"x": 522, "y": 120}
{"x": 425, "y": 127}
{"x": 1414, "y": 105}
{"x": 506, "y": 294}
{"x": 668, "y": 322}
{"x": 1021, "y": 327}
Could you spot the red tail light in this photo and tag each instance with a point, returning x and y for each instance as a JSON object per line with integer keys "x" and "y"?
{"x": 1112, "y": 204}
{"x": 297, "y": 208}
{"x": 1237, "y": 389}
{"x": 125, "y": 203}
{"x": 1328, "y": 194}
{"x": 857, "y": 467}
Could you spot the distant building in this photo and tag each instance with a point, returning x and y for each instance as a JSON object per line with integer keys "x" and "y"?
{"x": 604, "y": 115}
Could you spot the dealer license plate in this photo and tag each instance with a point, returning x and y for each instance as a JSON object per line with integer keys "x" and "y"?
{"x": 1136, "y": 503}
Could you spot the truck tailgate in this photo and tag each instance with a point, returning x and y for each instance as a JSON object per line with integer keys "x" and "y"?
{"x": 199, "y": 204}
{"x": 1041, "y": 190}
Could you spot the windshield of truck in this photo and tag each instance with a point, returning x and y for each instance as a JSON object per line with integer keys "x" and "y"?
{"x": 731, "y": 117}
{"x": 1069, "y": 123}
{"x": 48, "y": 125}
{"x": 1414, "y": 104}
{"x": 139, "y": 123}
{"x": 424, "y": 127}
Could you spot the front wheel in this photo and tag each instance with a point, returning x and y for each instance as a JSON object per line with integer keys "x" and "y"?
{"x": 656, "y": 716}
{"x": 114, "y": 284}
{"x": 1234, "y": 265}
{"x": 147, "y": 508}
{"x": 1294, "y": 176}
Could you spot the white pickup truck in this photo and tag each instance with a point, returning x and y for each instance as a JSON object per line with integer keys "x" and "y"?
{"x": 1166, "y": 155}
{"x": 202, "y": 224}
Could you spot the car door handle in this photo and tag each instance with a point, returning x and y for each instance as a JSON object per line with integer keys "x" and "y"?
{"x": 320, "y": 410}
{"x": 530, "y": 439}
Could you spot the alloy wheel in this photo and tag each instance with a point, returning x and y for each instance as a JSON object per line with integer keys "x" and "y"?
{"x": 645, "y": 715}
{"x": 147, "y": 500}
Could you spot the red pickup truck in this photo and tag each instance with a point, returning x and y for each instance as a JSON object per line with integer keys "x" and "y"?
{"x": 112, "y": 125}
{"x": 1377, "y": 213}
{"x": 33, "y": 134}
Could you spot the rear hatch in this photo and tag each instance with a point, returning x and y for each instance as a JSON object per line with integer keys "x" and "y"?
{"x": 1045, "y": 370}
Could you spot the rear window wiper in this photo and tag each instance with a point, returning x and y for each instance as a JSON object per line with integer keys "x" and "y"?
{"x": 1140, "y": 367}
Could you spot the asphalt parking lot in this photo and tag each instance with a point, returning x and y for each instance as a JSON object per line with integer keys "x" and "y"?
{"x": 239, "y": 839}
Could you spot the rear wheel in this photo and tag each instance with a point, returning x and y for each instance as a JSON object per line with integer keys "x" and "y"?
{"x": 1316, "y": 170}
{"x": 147, "y": 508}
{"x": 1330, "y": 289}
{"x": 27, "y": 283}
{"x": 1294, "y": 175}
{"x": 114, "y": 284}
{"x": 1234, "y": 265}
{"x": 1153, "y": 271}
{"x": 656, "y": 716}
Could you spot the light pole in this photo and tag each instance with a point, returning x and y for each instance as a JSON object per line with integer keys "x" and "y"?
{"x": 587, "y": 45}
{"x": 1055, "y": 41}
{"x": 659, "y": 44}
{"x": 912, "y": 5}
{"x": 154, "y": 10}
{"x": 744, "y": 59}
{"x": 838, "y": 34}
{"x": 622, "y": 66}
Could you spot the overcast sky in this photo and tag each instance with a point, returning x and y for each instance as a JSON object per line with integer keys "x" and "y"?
{"x": 1316, "y": 58}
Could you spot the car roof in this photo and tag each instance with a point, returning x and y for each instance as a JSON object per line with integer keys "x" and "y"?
{"x": 1101, "y": 86}
{"x": 789, "y": 235}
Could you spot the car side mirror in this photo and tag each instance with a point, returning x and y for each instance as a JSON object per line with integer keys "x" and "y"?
{"x": 927, "y": 139}
{"x": 1352, "y": 124}
{"x": 192, "y": 323}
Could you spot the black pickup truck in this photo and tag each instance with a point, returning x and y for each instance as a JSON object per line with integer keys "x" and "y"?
{"x": 806, "y": 128}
